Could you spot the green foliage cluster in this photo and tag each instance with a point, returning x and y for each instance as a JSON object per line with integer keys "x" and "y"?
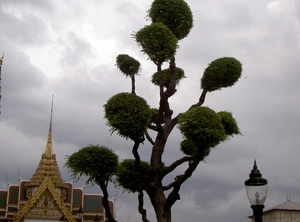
{"x": 188, "y": 147}
{"x": 222, "y": 72}
{"x": 202, "y": 126}
{"x": 166, "y": 74}
{"x": 175, "y": 14}
{"x": 128, "y": 114}
{"x": 98, "y": 163}
{"x": 128, "y": 65}
{"x": 129, "y": 176}
{"x": 157, "y": 41}
{"x": 229, "y": 123}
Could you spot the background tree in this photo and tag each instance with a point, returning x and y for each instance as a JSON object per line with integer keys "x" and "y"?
{"x": 131, "y": 177}
{"x": 202, "y": 128}
{"x": 99, "y": 164}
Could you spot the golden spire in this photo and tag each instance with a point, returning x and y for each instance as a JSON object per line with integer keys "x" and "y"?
{"x": 1, "y": 61}
{"x": 48, "y": 164}
{"x": 49, "y": 146}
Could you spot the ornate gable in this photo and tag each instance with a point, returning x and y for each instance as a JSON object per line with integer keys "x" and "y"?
{"x": 47, "y": 202}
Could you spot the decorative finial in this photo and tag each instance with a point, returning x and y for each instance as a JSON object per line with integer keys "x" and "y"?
{"x": 254, "y": 166}
{"x": 84, "y": 185}
{"x": 255, "y": 171}
{"x": 49, "y": 147}
{"x": 19, "y": 176}
{"x": 1, "y": 60}
{"x": 7, "y": 181}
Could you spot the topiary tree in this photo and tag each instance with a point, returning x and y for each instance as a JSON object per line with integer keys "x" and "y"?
{"x": 99, "y": 164}
{"x": 202, "y": 128}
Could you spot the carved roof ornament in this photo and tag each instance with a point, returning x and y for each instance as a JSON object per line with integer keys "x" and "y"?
{"x": 48, "y": 165}
{"x": 7, "y": 181}
{"x": 19, "y": 176}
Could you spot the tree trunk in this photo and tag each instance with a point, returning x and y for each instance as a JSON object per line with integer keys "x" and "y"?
{"x": 105, "y": 202}
{"x": 158, "y": 201}
{"x": 162, "y": 214}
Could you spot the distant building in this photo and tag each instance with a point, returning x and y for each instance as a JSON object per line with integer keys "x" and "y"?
{"x": 288, "y": 211}
{"x": 46, "y": 197}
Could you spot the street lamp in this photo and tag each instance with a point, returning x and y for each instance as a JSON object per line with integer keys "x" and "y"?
{"x": 256, "y": 189}
{"x": 62, "y": 218}
{"x": 97, "y": 218}
{"x": 80, "y": 214}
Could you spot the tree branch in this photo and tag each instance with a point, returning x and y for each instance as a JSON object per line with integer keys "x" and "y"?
{"x": 135, "y": 153}
{"x": 162, "y": 98}
{"x": 133, "y": 84}
{"x": 154, "y": 128}
{"x": 201, "y": 99}
{"x": 170, "y": 90}
{"x": 149, "y": 138}
{"x": 174, "y": 195}
{"x": 141, "y": 209}
{"x": 177, "y": 163}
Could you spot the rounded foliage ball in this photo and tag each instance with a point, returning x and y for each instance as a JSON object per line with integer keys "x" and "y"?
{"x": 128, "y": 65}
{"x": 175, "y": 14}
{"x": 222, "y": 72}
{"x": 229, "y": 123}
{"x": 166, "y": 75}
{"x": 202, "y": 126}
{"x": 98, "y": 163}
{"x": 188, "y": 147}
{"x": 157, "y": 41}
{"x": 128, "y": 114}
{"x": 129, "y": 175}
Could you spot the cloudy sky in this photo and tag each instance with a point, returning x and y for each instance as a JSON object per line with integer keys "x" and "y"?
{"x": 68, "y": 48}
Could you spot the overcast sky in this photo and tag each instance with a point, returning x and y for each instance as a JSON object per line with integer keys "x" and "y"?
{"x": 68, "y": 48}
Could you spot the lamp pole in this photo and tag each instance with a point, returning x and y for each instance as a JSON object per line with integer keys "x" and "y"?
{"x": 80, "y": 214}
{"x": 256, "y": 189}
{"x": 62, "y": 218}
{"x": 97, "y": 218}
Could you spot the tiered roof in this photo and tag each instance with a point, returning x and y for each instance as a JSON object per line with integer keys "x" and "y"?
{"x": 48, "y": 165}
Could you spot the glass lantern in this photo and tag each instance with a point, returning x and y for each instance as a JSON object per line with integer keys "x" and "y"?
{"x": 256, "y": 187}
{"x": 80, "y": 213}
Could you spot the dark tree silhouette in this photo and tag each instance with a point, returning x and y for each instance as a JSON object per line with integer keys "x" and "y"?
{"x": 131, "y": 117}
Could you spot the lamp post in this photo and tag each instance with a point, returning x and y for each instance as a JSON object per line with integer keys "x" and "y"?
{"x": 62, "y": 218}
{"x": 256, "y": 189}
{"x": 80, "y": 214}
{"x": 97, "y": 218}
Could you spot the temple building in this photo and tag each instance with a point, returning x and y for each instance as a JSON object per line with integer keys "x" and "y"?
{"x": 46, "y": 197}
